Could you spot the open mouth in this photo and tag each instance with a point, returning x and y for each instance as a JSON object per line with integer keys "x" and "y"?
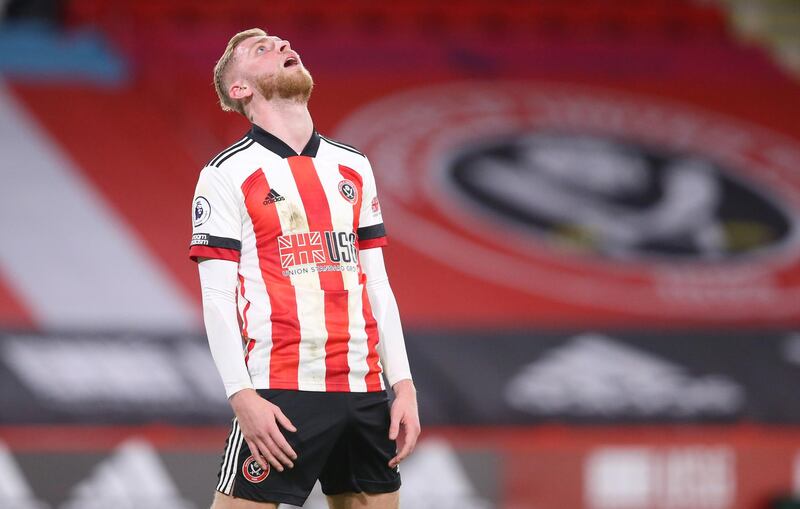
{"x": 290, "y": 62}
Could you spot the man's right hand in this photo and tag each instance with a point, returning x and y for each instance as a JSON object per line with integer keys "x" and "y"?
{"x": 259, "y": 419}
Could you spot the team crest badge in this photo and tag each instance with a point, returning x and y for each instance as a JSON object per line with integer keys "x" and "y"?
{"x": 348, "y": 190}
{"x": 253, "y": 472}
{"x": 202, "y": 210}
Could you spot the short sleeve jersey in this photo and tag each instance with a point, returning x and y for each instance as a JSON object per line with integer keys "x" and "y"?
{"x": 295, "y": 224}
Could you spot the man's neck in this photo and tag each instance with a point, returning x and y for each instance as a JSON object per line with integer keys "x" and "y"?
{"x": 288, "y": 120}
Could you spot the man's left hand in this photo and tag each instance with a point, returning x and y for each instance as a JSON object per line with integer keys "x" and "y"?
{"x": 404, "y": 427}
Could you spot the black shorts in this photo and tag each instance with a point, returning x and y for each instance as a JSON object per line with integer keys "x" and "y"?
{"x": 342, "y": 439}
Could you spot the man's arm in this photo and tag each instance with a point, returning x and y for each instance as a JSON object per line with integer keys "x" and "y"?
{"x": 218, "y": 286}
{"x": 258, "y": 418}
{"x": 405, "y": 427}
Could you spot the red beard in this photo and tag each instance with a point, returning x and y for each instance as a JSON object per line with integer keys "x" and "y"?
{"x": 287, "y": 84}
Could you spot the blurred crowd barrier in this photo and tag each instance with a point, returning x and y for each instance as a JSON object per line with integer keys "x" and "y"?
{"x": 589, "y": 419}
{"x": 593, "y": 213}
{"x": 475, "y": 468}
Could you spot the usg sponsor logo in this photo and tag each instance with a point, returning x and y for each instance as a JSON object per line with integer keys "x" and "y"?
{"x": 592, "y": 375}
{"x": 328, "y": 247}
{"x": 595, "y": 198}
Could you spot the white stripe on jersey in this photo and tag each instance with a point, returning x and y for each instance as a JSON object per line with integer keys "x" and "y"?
{"x": 258, "y": 314}
{"x": 357, "y": 346}
{"x": 311, "y": 313}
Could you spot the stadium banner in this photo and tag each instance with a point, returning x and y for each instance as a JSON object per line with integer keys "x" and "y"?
{"x": 623, "y": 183}
{"x": 594, "y": 377}
{"x": 463, "y": 378}
{"x": 606, "y": 205}
{"x": 549, "y": 467}
{"x": 109, "y": 378}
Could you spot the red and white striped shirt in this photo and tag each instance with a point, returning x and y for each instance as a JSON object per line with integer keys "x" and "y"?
{"x": 295, "y": 223}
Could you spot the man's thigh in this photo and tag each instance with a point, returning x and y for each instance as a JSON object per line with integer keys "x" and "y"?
{"x": 365, "y": 500}
{"x": 222, "y": 501}
{"x": 359, "y": 463}
{"x": 320, "y": 419}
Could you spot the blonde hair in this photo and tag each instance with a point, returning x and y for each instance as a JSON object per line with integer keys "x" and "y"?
{"x": 221, "y": 69}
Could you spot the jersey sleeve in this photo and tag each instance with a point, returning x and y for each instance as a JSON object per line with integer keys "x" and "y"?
{"x": 371, "y": 232}
{"x": 216, "y": 218}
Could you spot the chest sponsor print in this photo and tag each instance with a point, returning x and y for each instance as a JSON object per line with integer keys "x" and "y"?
{"x": 318, "y": 252}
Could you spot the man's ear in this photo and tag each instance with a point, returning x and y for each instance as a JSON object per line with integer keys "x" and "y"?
{"x": 239, "y": 90}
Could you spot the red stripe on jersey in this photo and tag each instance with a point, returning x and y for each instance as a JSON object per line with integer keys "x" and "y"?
{"x": 250, "y": 341}
{"x": 337, "y": 319}
{"x": 246, "y": 306}
{"x": 373, "y": 378}
{"x": 220, "y": 253}
{"x": 285, "y": 354}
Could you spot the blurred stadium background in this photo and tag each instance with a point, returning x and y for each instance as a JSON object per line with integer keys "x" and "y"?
{"x": 594, "y": 219}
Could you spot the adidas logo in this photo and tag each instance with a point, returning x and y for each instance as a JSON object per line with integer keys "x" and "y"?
{"x": 133, "y": 477}
{"x": 15, "y": 493}
{"x": 593, "y": 375}
{"x": 273, "y": 197}
{"x": 437, "y": 459}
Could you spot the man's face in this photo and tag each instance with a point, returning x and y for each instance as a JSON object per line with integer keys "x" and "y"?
{"x": 273, "y": 68}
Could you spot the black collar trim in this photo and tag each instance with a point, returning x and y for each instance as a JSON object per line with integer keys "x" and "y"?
{"x": 274, "y": 144}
